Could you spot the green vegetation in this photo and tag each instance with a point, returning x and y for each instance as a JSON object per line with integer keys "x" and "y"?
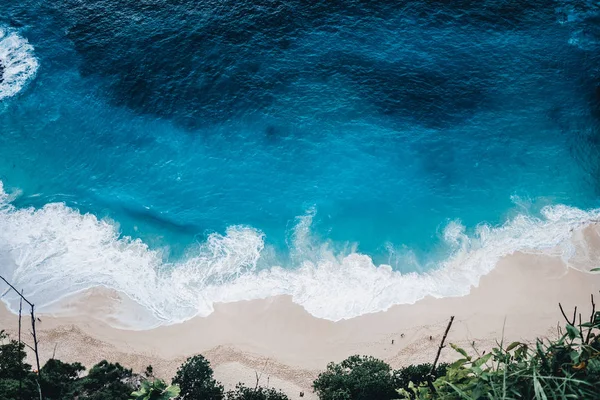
{"x": 242, "y": 392}
{"x": 567, "y": 367}
{"x": 15, "y": 375}
{"x": 417, "y": 375}
{"x": 106, "y": 381}
{"x": 359, "y": 378}
{"x": 195, "y": 379}
{"x": 59, "y": 378}
{"x": 155, "y": 390}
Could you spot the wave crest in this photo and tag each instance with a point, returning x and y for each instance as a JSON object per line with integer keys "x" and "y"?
{"x": 56, "y": 251}
{"x": 18, "y": 64}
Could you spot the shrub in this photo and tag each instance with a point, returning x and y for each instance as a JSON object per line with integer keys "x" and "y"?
{"x": 155, "y": 390}
{"x": 12, "y": 359}
{"x": 10, "y": 389}
{"x": 58, "y": 378}
{"x": 565, "y": 368}
{"x": 15, "y": 374}
{"x": 105, "y": 381}
{"x": 418, "y": 375}
{"x": 356, "y": 378}
{"x": 195, "y": 379}
{"x": 242, "y": 392}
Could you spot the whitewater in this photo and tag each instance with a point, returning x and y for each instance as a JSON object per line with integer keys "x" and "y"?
{"x": 18, "y": 64}
{"x": 56, "y": 251}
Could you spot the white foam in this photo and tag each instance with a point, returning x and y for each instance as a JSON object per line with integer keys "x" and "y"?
{"x": 18, "y": 62}
{"x": 56, "y": 251}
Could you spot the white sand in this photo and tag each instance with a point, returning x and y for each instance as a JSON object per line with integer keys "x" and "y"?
{"x": 288, "y": 347}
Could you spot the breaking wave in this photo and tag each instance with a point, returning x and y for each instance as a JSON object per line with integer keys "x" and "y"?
{"x": 18, "y": 64}
{"x": 55, "y": 251}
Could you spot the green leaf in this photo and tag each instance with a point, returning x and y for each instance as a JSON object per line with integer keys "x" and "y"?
{"x": 512, "y": 346}
{"x": 482, "y": 360}
{"x": 461, "y": 351}
{"x": 458, "y": 363}
{"x": 521, "y": 352}
{"x": 539, "y": 349}
{"x": 595, "y": 270}
{"x": 593, "y": 365}
{"x": 172, "y": 391}
{"x": 538, "y": 389}
{"x": 572, "y": 331}
{"x": 574, "y": 357}
{"x": 462, "y": 394}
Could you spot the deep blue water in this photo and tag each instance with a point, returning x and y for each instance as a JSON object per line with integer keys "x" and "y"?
{"x": 291, "y": 133}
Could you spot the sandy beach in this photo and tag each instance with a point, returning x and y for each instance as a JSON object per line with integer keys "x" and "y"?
{"x": 287, "y": 347}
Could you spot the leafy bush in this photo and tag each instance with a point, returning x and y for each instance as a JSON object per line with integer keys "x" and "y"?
{"x": 104, "y": 381}
{"x": 155, "y": 390}
{"x": 12, "y": 359}
{"x": 565, "y": 368}
{"x": 242, "y": 392}
{"x": 195, "y": 379}
{"x": 356, "y": 378}
{"x": 58, "y": 378}
{"x": 418, "y": 375}
{"x": 15, "y": 374}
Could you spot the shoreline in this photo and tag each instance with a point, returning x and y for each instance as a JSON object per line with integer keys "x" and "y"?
{"x": 78, "y": 251}
{"x": 281, "y": 340}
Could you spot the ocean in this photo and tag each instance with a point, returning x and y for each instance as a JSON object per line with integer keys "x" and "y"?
{"x": 351, "y": 154}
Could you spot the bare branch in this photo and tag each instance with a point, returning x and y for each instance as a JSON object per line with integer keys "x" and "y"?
{"x": 437, "y": 357}
{"x": 261, "y": 373}
{"x": 593, "y": 308}
{"x": 35, "y": 341}
{"x": 559, "y": 329}
{"x": 592, "y": 318}
{"x": 16, "y": 291}
{"x": 570, "y": 322}
{"x": 54, "y": 352}
{"x": 20, "y": 312}
{"x": 20, "y": 377}
{"x": 563, "y": 313}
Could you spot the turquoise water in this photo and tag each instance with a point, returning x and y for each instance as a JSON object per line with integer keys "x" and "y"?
{"x": 352, "y": 155}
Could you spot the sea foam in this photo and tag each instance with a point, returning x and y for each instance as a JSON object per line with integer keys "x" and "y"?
{"x": 19, "y": 64}
{"x": 55, "y": 251}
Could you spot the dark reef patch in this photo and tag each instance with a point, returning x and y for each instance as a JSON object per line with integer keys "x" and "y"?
{"x": 432, "y": 95}
{"x": 200, "y": 63}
